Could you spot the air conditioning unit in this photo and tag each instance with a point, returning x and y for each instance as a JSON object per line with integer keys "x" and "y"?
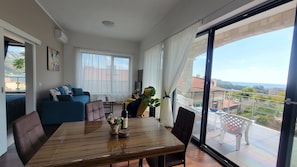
{"x": 61, "y": 36}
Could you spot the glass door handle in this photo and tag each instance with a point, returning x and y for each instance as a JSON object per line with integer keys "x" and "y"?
{"x": 289, "y": 101}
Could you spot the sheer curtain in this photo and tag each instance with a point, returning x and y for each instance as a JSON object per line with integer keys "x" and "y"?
{"x": 175, "y": 57}
{"x": 152, "y": 71}
{"x": 104, "y": 74}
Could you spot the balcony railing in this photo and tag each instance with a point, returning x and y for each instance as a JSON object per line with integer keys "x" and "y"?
{"x": 264, "y": 110}
{"x": 15, "y": 84}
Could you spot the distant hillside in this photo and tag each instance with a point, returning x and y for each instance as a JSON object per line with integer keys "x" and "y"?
{"x": 260, "y": 87}
{"x": 10, "y": 70}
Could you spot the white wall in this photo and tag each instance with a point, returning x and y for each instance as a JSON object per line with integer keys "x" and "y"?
{"x": 85, "y": 41}
{"x": 30, "y": 19}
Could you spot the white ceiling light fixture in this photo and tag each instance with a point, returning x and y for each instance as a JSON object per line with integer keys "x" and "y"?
{"x": 108, "y": 23}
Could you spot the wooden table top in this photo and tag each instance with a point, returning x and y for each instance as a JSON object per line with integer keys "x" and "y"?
{"x": 91, "y": 144}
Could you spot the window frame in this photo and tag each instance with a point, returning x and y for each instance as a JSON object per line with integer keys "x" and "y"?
{"x": 113, "y": 55}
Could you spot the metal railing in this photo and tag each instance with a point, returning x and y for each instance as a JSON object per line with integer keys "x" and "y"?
{"x": 15, "y": 84}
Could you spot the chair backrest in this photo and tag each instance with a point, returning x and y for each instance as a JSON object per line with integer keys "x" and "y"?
{"x": 29, "y": 135}
{"x": 234, "y": 124}
{"x": 183, "y": 126}
{"x": 95, "y": 111}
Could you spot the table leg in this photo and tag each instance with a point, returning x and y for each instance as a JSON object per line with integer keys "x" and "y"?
{"x": 161, "y": 161}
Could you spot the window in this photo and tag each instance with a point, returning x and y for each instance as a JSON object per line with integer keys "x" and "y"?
{"x": 15, "y": 80}
{"x": 105, "y": 74}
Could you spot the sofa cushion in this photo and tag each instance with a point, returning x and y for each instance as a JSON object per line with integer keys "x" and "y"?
{"x": 69, "y": 87}
{"x": 54, "y": 92}
{"x": 62, "y": 90}
{"x": 64, "y": 98}
{"x": 68, "y": 91}
{"x": 77, "y": 91}
{"x": 83, "y": 98}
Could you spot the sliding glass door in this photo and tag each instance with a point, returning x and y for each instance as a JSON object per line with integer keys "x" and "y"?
{"x": 242, "y": 70}
{"x": 249, "y": 75}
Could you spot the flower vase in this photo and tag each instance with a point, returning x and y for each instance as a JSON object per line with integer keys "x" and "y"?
{"x": 114, "y": 129}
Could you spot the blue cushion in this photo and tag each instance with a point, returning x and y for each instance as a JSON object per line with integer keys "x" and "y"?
{"x": 77, "y": 91}
{"x": 64, "y": 98}
{"x": 69, "y": 87}
{"x": 62, "y": 90}
{"x": 82, "y": 98}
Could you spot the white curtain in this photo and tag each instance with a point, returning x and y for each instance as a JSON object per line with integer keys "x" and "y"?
{"x": 175, "y": 57}
{"x": 152, "y": 72}
{"x": 103, "y": 74}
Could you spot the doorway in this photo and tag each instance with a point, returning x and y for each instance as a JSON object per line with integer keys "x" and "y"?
{"x": 15, "y": 83}
{"x": 30, "y": 42}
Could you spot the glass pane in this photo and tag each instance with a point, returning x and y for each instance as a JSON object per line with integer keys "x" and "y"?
{"x": 121, "y": 75}
{"x": 96, "y": 73}
{"x": 191, "y": 82}
{"x": 15, "y": 80}
{"x": 249, "y": 75}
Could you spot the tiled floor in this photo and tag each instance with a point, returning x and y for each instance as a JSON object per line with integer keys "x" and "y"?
{"x": 194, "y": 157}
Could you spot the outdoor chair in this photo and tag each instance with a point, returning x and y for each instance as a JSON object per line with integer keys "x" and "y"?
{"x": 235, "y": 125}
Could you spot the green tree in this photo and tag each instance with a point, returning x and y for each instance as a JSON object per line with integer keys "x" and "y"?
{"x": 248, "y": 91}
{"x": 19, "y": 63}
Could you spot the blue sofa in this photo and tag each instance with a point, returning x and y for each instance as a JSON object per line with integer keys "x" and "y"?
{"x": 67, "y": 108}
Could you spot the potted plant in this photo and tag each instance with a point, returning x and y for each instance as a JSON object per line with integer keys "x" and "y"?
{"x": 115, "y": 123}
{"x": 152, "y": 103}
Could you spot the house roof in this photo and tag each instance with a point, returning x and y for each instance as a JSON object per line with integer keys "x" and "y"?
{"x": 198, "y": 85}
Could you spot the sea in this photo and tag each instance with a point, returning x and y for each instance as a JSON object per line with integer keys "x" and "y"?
{"x": 265, "y": 85}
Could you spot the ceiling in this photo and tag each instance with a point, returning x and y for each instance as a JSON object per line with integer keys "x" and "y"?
{"x": 133, "y": 19}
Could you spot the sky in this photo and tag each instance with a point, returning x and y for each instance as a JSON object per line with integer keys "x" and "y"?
{"x": 259, "y": 59}
{"x": 16, "y": 49}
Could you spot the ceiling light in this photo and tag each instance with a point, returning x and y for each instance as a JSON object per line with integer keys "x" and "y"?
{"x": 108, "y": 23}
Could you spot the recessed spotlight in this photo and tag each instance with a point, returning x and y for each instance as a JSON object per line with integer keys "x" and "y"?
{"x": 108, "y": 23}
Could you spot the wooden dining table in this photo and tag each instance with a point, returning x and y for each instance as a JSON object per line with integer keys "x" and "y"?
{"x": 92, "y": 144}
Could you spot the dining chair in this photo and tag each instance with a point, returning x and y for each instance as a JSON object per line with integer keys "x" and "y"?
{"x": 29, "y": 135}
{"x": 182, "y": 129}
{"x": 95, "y": 111}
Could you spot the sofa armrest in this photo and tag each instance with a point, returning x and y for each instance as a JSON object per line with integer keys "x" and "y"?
{"x": 53, "y": 112}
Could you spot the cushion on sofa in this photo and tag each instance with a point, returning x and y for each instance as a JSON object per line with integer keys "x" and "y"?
{"x": 68, "y": 89}
{"x": 83, "y": 98}
{"x": 77, "y": 91}
{"x": 54, "y": 92}
{"x": 62, "y": 90}
{"x": 64, "y": 98}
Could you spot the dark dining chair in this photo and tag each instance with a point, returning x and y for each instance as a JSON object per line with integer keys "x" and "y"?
{"x": 29, "y": 135}
{"x": 95, "y": 111}
{"x": 182, "y": 129}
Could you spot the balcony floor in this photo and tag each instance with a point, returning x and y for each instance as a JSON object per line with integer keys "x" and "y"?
{"x": 262, "y": 150}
